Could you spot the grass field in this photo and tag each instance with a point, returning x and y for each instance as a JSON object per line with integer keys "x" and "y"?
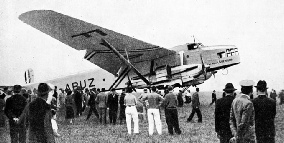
{"x": 82, "y": 131}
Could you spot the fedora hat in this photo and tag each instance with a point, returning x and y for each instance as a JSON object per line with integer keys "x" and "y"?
{"x": 43, "y": 88}
{"x": 229, "y": 87}
{"x": 17, "y": 88}
{"x": 261, "y": 84}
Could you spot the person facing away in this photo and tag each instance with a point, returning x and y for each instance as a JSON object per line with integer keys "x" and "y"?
{"x": 78, "y": 98}
{"x": 130, "y": 102}
{"x": 92, "y": 103}
{"x": 101, "y": 99}
{"x": 69, "y": 105}
{"x": 38, "y": 115}
{"x": 122, "y": 106}
{"x": 273, "y": 94}
{"x": 213, "y": 97}
{"x": 242, "y": 115}
{"x": 13, "y": 110}
{"x": 222, "y": 114}
{"x": 195, "y": 107}
{"x": 187, "y": 96}
{"x": 54, "y": 124}
{"x": 171, "y": 112}
{"x": 112, "y": 103}
{"x": 265, "y": 112}
{"x": 281, "y": 97}
{"x": 155, "y": 101}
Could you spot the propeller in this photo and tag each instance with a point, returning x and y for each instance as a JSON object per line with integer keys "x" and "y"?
{"x": 204, "y": 69}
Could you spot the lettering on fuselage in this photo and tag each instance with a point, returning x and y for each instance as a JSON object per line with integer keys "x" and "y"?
{"x": 82, "y": 84}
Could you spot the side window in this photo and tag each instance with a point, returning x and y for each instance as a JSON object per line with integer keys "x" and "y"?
{"x": 221, "y": 54}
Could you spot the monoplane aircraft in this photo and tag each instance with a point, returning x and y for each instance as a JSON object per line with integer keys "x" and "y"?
{"x": 133, "y": 61}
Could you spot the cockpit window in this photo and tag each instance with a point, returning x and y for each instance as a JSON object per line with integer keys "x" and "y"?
{"x": 193, "y": 46}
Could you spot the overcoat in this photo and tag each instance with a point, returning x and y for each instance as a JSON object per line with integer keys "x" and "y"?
{"x": 242, "y": 119}
{"x": 222, "y": 115}
{"x": 265, "y": 111}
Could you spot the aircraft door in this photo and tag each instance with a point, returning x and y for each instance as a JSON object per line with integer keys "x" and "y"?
{"x": 182, "y": 58}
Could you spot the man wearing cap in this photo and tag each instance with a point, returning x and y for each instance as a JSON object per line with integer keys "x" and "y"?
{"x": 242, "y": 115}
{"x": 171, "y": 112}
{"x": 195, "y": 107}
{"x": 222, "y": 114}
{"x": 265, "y": 111}
{"x": 14, "y": 108}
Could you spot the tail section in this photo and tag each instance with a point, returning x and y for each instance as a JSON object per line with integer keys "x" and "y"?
{"x": 29, "y": 76}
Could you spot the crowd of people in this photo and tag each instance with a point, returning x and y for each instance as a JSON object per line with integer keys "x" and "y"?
{"x": 237, "y": 118}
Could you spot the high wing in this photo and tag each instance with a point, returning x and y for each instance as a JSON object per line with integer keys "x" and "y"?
{"x": 85, "y": 36}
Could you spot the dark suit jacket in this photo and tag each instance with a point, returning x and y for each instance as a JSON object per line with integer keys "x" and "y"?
{"x": 222, "y": 115}
{"x": 265, "y": 111}
{"x": 195, "y": 100}
{"x": 38, "y": 115}
{"x": 14, "y": 108}
{"x": 112, "y": 101}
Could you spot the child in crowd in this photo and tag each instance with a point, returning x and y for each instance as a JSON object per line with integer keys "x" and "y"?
{"x": 54, "y": 124}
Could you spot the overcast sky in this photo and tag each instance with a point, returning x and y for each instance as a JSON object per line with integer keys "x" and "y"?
{"x": 256, "y": 27}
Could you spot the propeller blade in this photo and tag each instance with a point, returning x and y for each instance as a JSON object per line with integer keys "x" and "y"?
{"x": 203, "y": 67}
{"x": 130, "y": 83}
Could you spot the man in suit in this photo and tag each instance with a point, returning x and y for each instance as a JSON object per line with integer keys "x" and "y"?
{"x": 265, "y": 111}
{"x": 242, "y": 115}
{"x": 101, "y": 99}
{"x": 222, "y": 114}
{"x": 195, "y": 107}
{"x": 213, "y": 97}
{"x": 112, "y": 103}
{"x": 92, "y": 104}
{"x": 171, "y": 112}
{"x": 14, "y": 108}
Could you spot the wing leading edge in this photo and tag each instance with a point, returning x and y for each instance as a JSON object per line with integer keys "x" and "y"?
{"x": 85, "y": 36}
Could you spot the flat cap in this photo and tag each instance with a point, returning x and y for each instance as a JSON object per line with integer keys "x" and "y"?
{"x": 247, "y": 83}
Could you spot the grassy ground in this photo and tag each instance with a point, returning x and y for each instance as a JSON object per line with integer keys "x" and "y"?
{"x": 82, "y": 131}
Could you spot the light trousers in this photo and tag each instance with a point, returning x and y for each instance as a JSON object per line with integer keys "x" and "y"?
{"x": 154, "y": 117}
{"x": 131, "y": 113}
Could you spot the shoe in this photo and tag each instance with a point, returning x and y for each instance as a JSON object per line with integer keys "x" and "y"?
{"x": 57, "y": 135}
{"x": 199, "y": 121}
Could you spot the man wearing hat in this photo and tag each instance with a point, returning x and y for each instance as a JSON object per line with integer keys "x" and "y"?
{"x": 171, "y": 112}
{"x": 195, "y": 107}
{"x": 242, "y": 115}
{"x": 38, "y": 115}
{"x": 222, "y": 114}
{"x": 14, "y": 108}
{"x": 265, "y": 111}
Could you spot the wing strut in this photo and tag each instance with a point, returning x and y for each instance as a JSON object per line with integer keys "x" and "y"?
{"x": 108, "y": 45}
{"x": 120, "y": 78}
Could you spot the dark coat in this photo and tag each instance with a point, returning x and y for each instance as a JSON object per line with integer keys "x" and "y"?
{"x": 14, "y": 108}
{"x": 38, "y": 116}
{"x": 112, "y": 101}
{"x": 195, "y": 100}
{"x": 265, "y": 111}
{"x": 222, "y": 115}
{"x": 2, "y": 115}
